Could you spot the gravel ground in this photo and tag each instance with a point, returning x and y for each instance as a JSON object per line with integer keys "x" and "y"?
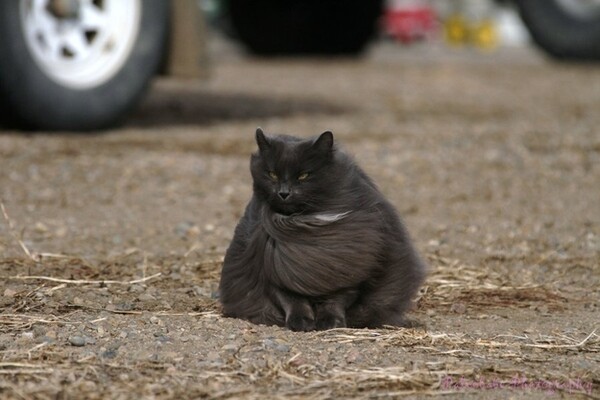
{"x": 111, "y": 244}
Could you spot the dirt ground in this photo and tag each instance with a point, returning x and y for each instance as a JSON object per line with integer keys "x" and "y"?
{"x": 111, "y": 244}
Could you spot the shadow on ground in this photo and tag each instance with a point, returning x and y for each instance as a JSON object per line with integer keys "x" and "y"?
{"x": 182, "y": 106}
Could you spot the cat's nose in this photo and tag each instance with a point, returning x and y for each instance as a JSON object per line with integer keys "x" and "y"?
{"x": 284, "y": 194}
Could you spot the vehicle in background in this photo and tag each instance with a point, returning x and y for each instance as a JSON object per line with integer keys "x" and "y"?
{"x": 84, "y": 64}
{"x": 565, "y": 29}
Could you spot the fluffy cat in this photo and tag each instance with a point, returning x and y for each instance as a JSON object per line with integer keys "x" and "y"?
{"x": 318, "y": 247}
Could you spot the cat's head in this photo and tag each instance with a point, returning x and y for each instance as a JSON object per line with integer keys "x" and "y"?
{"x": 293, "y": 175}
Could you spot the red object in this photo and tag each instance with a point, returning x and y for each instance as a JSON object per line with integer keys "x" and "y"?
{"x": 409, "y": 24}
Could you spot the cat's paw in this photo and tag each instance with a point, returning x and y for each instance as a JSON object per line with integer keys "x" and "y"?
{"x": 330, "y": 321}
{"x": 300, "y": 323}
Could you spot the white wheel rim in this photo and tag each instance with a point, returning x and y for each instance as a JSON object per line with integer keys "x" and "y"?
{"x": 86, "y": 49}
{"x": 583, "y": 9}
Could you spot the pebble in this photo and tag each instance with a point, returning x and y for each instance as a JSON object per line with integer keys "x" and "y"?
{"x": 137, "y": 288}
{"x": 354, "y": 356}
{"x": 209, "y": 227}
{"x": 230, "y": 347}
{"x": 110, "y": 353}
{"x": 186, "y": 228}
{"x": 275, "y": 345}
{"x": 202, "y": 292}
{"x": 123, "y": 306}
{"x": 77, "y": 341}
{"x": 146, "y": 297}
{"x": 458, "y": 308}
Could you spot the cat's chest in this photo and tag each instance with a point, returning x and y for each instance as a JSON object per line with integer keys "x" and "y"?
{"x": 320, "y": 254}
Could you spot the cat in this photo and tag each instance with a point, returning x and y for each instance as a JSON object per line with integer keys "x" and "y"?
{"x": 318, "y": 246}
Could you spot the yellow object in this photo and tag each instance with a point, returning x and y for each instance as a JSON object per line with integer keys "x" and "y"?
{"x": 456, "y": 30}
{"x": 484, "y": 35}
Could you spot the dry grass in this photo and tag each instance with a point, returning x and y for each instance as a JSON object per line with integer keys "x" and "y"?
{"x": 443, "y": 354}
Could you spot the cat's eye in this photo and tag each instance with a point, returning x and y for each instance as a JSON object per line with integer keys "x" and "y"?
{"x": 273, "y": 175}
{"x": 303, "y": 176}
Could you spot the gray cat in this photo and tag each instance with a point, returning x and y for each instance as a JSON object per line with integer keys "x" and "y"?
{"x": 318, "y": 247}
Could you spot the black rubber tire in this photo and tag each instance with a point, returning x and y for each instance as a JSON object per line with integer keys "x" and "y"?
{"x": 299, "y": 27}
{"x": 560, "y": 34}
{"x": 29, "y": 99}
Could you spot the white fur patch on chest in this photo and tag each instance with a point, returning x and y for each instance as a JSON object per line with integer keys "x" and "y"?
{"x": 331, "y": 217}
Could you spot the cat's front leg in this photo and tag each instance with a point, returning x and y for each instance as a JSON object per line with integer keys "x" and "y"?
{"x": 299, "y": 314}
{"x": 330, "y": 315}
{"x": 331, "y": 311}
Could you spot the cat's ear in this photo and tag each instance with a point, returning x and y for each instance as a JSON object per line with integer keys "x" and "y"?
{"x": 324, "y": 142}
{"x": 261, "y": 140}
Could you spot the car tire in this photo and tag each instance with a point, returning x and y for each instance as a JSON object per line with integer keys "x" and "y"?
{"x": 322, "y": 27}
{"x": 87, "y": 80}
{"x": 561, "y": 30}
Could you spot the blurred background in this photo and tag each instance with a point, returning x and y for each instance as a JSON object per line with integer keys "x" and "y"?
{"x": 85, "y": 65}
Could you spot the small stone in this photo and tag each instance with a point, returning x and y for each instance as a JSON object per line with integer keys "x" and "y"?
{"x": 61, "y": 232}
{"x": 111, "y": 352}
{"x": 77, "y": 301}
{"x": 297, "y": 361}
{"x": 123, "y": 334}
{"x": 353, "y": 356}
{"x": 171, "y": 370}
{"x": 202, "y": 292}
{"x": 146, "y": 297}
{"x": 193, "y": 231}
{"x": 8, "y": 292}
{"x": 154, "y": 320}
{"x": 458, "y": 308}
{"x": 40, "y": 227}
{"x": 543, "y": 309}
{"x": 161, "y": 338}
{"x": 77, "y": 341}
{"x": 27, "y": 335}
{"x": 44, "y": 339}
{"x": 137, "y": 288}
{"x": 183, "y": 228}
{"x": 123, "y": 306}
{"x": 209, "y": 227}
{"x": 230, "y": 347}
{"x": 276, "y": 345}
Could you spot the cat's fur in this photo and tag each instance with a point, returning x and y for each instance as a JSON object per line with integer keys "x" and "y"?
{"x": 317, "y": 251}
